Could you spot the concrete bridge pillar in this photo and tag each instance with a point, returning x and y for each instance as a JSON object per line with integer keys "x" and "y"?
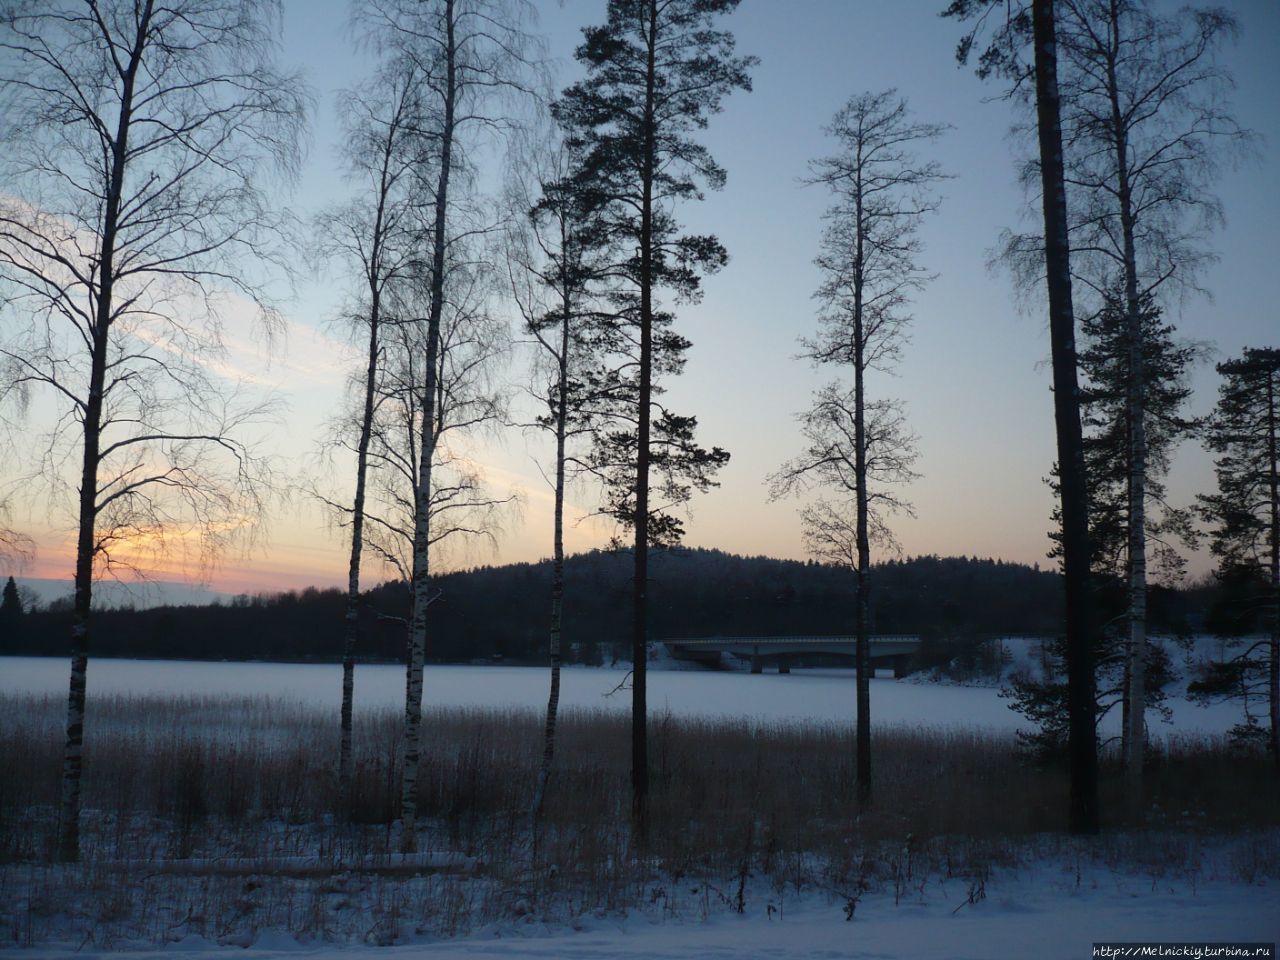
{"x": 757, "y": 661}
{"x": 900, "y": 663}
{"x": 784, "y": 664}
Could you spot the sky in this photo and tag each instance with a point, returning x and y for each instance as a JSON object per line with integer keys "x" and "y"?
{"x": 974, "y": 378}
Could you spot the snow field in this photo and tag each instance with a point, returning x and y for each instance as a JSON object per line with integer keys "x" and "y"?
{"x": 209, "y": 828}
{"x": 814, "y": 695}
{"x": 1050, "y": 904}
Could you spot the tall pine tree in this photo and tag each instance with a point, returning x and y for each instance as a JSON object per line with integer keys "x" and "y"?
{"x": 656, "y": 72}
{"x": 1145, "y": 124}
{"x": 1035, "y": 23}
{"x": 1244, "y": 519}
{"x": 857, "y": 443}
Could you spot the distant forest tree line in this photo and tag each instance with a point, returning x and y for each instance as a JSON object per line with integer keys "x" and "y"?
{"x": 951, "y": 602}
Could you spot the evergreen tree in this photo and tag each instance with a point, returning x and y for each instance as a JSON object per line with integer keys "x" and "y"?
{"x": 1144, "y": 130}
{"x": 1244, "y": 519}
{"x": 1105, "y": 362}
{"x": 1133, "y": 676}
{"x": 10, "y": 614}
{"x": 656, "y": 71}
{"x": 1035, "y": 24}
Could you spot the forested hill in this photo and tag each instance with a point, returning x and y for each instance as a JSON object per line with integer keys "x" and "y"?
{"x": 503, "y": 610}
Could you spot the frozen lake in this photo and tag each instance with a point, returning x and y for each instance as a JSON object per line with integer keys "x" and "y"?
{"x": 822, "y": 696}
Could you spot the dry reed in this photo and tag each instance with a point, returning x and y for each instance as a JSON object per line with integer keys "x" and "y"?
{"x": 217, "y": 778}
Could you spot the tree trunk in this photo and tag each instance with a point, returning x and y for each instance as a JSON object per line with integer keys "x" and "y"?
{"x": 1082, "y": 736}
{"x": 1134, "y": 736}
{"x": 640, "y": 623}
{"x": 72, "y": 758}
{"x": 557, "y": 574}
{"x": 351, "y": 621}
{"x": 86, "y": 541}
{"x": 1136, "y": 651}
{"x": 421, "y": 581}
{"x": 862, "y": 642}
{"x": 1273, "y": 479}
{"x": 1124, "y": 707}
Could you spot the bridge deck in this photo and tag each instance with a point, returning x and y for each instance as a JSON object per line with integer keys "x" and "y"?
{"x": 892, "y": 648}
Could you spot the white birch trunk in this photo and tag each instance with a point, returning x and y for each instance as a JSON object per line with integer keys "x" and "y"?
{"x": 421, "y": 579}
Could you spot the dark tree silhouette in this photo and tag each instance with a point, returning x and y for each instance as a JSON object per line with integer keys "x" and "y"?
{"x": 1108, "y": 363}
{"x": 137, "y": 140}
{"x": 1145, "y": 127}
{"x": 1005, "y": 56}
{"x": 656, "y": 71}
{"x": 1105, "y": 362}
{"x": 11, "y": 613}
{"x": 1244, "y": 518}
{"x": 859, "y": 446}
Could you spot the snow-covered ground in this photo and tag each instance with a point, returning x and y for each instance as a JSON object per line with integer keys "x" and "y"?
{"x": 822, "y": 696}
{"x": 1042, "y": 898}
{"x": 1054, "y": 908}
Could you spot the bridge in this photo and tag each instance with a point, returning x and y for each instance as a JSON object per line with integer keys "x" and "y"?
{"x": 893, "y": 650}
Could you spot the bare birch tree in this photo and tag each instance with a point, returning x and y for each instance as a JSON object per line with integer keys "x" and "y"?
{"x": 15, "y": 546}
{"x": 139, "y": 139}
{"x": 469, "y": 401}
{"x": 377, "y": 234}
{"x": 555, "y": 262}
{"x": 857, "y": 445}
{"x": 475, "y": 58}
{"x": 1146, "y": 128}
{"x": 1035, "y": 24}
